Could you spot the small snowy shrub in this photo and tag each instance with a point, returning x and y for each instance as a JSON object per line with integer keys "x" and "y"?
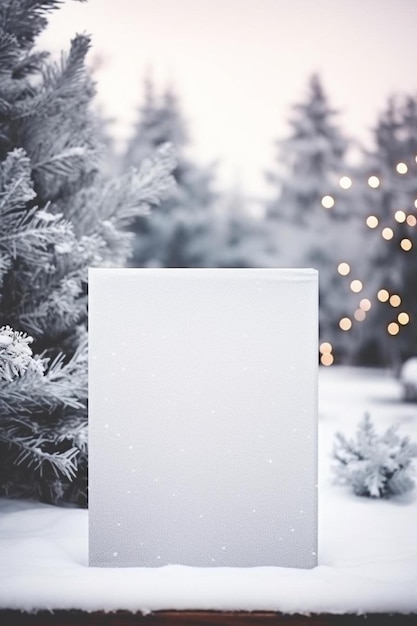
{"x": 375, "y": 465}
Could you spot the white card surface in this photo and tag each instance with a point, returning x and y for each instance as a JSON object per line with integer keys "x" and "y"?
{"x": 203, "y": 417}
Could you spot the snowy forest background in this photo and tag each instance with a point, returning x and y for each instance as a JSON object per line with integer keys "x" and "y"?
{"x": 70, "y": 200}
{"x": 355, "y": 224}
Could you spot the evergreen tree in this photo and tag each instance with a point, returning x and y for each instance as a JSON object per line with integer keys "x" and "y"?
{"x": 394, "y": 256}
{"x": 242, "y": 239}
{"x": 313, "y": 219}
{"x": 179, "y": 234}
{"x": 388, "y": 182}
{"x": 309, "y": 160}
{"x": 58, "y": 216}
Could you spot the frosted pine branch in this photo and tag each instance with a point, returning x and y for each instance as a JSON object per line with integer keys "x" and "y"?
{"x": 16, "y": 187}
{"x": 33, "y": 454}
{"x": 15, "y": 354}
{"x": 64, "y": 163}
{"x": 134, "y": 193}
{"x": 61, "y": 385}
{"x": 31, "y": 237}
{"x": 27, "y": 19}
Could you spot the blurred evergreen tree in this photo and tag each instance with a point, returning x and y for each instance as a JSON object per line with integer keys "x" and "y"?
{"x": 391, "y": 248}
{"x": 312, "y": 215}
{"x": 59, "y": 216}
{"x": 181, "y": 233}
{"x": 243, "y": 235}
{"x": 309, "y": 160}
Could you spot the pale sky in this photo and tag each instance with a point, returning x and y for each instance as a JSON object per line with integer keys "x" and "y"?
{"x": 238, "y": 65}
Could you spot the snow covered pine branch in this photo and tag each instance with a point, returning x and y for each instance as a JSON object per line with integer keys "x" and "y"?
{"x": 59, "y": 215}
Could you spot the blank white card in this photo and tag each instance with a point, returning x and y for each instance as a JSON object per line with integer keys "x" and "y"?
{"x": 203, "y": 417}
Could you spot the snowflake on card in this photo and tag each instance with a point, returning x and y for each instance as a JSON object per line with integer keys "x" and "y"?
{"x": 375, "y": 465}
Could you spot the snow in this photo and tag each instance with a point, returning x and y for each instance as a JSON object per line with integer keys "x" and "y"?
{"x": 408, "y": 377}
{"x": 409, "y": 371}
{"x": 367, "y": 548}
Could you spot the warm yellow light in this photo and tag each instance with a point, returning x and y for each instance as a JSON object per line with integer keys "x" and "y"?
{"x": 395, "y": 300}
{"x": 393, "y": 328}
{"x": 345, "y": 323}
{"x": 356, "y": 286}
{"x": 403, "y": 318}
{"x": 327, "y": 202}
{"x": 383, "y": 295}
{"x": 387, "y": 233}
{"x": 400, "y": 216}
{"x": 372, "y": 221}
{"x": 402, "y": 168}
{"x": 406, "y": 244}
{"x": 415, "y": 203}
{"x": 326, "y": 347}
{"x": 343, "y": 269}
{"x": 326, "y": 359}
{"x": 373, "y": 181}
{"x": 411, "y": 220}
{"x": 345, "y": 182}
{"x": 365, "y": 304}
{"x": 359, "y": 315}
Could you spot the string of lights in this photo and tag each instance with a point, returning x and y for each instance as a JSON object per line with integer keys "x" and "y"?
{"x": 400, "y": 317}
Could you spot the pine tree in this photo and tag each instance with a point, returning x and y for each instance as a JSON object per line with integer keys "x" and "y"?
{"x": 375, "y": 465}
{"x": 309, "y": 160}
{"x": 58, "y": 216}
{"x": 313, "y": 220}
{"x": 392, "y": 243}
{"x": 387, "y": 182}
{"x": 181, "y": 233}
{"x": 243, "y": 239}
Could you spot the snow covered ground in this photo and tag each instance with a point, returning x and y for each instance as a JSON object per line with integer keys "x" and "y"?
{"x": 367, "y": 548}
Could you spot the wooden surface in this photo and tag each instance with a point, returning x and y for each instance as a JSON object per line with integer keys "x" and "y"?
{"x": 199, "y": 618}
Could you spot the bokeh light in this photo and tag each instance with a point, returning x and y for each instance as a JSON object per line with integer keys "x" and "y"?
{"x": 343, "y": 268}
{"x": 395, "y": 300}
{"x": 327, "y": 202}
{"x": 373, "y": 181}
{"x": 393, "y": 328}
{"x": 356, "y": 286}
{"x": 365, "y": 304}
{"x": 326, "y": 347}
{"x": 402, "y": 168}
{"x": 400, "y": 216}
{"x": 327, "y": 359}
{"x": 345, "y": 182}
{"x": 345, "y": 323}
{"x": 403, "y": 318}
{"x": 383, "y": 295}
{"x": 411, "y": 220}
{"x": 372, "y": 221}
{"x": 387, "y": 233}
{"x": 359, "y": 315}
{"x": 406, "y": 244}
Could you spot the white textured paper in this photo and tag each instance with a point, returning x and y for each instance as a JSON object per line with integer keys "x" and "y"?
{"x": 203, "y": 417}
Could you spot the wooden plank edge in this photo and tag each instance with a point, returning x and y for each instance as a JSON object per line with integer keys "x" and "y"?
{"x": 10, "y": 617}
